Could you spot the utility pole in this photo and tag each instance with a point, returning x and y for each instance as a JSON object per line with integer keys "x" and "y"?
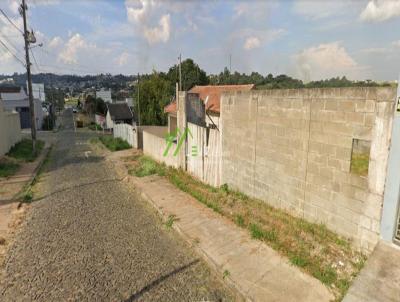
{"x": 138, "y": 99}
{"x": 29, "y": 38}
{"x": 230, "y": 64}
{"x": 180, "y": 72}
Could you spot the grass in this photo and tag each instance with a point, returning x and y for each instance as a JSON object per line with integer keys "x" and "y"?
{"x": 359, "y": 164}
{"x": 146, "y": 167}
{"x": 23, "y": 150}
{"x": 8, "y": 167}
{"x": 170, "y": 221}
{"x": 312, "y": 247}
{"x": 114, "y": 144}
{"x": 95, "y": 127}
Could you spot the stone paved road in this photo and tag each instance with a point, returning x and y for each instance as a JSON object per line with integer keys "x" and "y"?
{"x": 91, "y": 239}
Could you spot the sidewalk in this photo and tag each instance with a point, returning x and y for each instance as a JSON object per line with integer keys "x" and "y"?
{"x": 256, "y": 271}
{"x": 379, "y": 280}
{"x": 12, "y": 186}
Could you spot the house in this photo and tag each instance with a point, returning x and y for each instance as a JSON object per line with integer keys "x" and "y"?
{"x": 15, "y": 99}
{"x": 210, "y": 95}
{"x": 119, "y": 113}
{"x": 38, "y": 91}
{"x": 104, "y": 94}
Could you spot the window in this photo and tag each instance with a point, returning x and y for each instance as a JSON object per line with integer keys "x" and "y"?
{"x": 360, "y": 157}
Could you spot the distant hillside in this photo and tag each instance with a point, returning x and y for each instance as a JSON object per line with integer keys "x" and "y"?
{"x": 75, "y": 83}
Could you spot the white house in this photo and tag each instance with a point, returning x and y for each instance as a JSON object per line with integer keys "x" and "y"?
{"x": 38, "y": 91}
{"x": 16, "y": 99}
{"x": 104, "y": 94}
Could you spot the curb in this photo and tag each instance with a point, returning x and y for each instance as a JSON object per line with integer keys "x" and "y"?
{"x": 238, "y": 292}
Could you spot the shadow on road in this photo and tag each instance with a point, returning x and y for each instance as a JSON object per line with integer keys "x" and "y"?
{"x": 156, "y": 282}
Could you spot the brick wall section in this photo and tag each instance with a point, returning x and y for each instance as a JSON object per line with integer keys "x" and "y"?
{"x": 292, "y": 149}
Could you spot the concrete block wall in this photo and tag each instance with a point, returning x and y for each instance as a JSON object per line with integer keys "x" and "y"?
{"x": 292, "y": 149}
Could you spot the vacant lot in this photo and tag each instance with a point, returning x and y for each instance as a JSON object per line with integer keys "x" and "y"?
{"x": 312, "y": 247}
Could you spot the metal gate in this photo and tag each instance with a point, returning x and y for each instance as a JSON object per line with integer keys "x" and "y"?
{"x": 24, "y": 117}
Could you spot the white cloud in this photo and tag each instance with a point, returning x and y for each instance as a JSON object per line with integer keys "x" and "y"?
{"x": 251, "y": 43}
{"x": 123, "y": 59}
{"x": 139, "y": 10}
{"x": 325, "y": 61}
{"x": 380, "y": 10}
{"x": 55, "y": 42}
{"x": 160, "y": 33}
{"x": 142, "y": 13}
{"x": 69, "y": 54}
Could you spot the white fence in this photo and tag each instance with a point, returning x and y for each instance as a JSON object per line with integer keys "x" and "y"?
{"x": 10, "y": 130}
{"x": 204, "y": 154}
{"x": 126, "y": 132}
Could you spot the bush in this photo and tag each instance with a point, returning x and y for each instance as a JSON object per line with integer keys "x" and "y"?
{"x": 95, "y": 127}
{"x": 8, "y": 167}
{"x": 23, "y": 150}
{"x": 114, "y": 144}
{"x": 48, "y": 123}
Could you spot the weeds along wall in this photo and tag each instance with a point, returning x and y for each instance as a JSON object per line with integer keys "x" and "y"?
{"x": 293, "y": 149}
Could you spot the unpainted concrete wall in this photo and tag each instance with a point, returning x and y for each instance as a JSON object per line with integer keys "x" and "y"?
{"x": 292, "y": 149}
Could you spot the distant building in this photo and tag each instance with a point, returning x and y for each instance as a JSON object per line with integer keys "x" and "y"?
{"x": 128, "y": 101}
{"x": 104, "y": 94}
{"x": 15, "y": 99}
{"x": 38, "y": 91}
{"x": 210, "y": 95}
{"x": 119, "y": 114}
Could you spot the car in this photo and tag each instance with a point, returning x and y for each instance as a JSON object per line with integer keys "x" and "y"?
{"x": 74, "y": 110}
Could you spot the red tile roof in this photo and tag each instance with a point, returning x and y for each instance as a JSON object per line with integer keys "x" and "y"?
{"x": 211, "y": 94}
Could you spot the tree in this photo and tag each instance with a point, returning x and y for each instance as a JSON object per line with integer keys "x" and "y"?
{"x": 95, "y": 105}
{"x": 156, "y": 92}
{"x": 192, "y": 74}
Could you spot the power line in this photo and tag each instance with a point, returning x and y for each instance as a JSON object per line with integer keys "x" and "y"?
{"x": 14, "y": 55}
{"x": 10, "y": 43}
{"x": 34, "y": 59}
{"x": 11, "y": 22}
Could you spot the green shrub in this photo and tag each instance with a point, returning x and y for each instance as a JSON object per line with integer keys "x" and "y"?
{"x": 8, "y": 168}
{"x": 114, "y": 144}
{"x": 23, "y": 150}
{"x": 48, "y": 123}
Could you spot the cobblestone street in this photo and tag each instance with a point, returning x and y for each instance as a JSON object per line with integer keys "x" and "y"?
{"x": 88, "y": 237}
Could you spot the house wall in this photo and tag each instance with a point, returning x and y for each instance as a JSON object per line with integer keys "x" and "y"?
{"x": 39, "y": 115}
{"x": 109, "y": 122}
{"x": 292, "y": 149}
{"x": 10, "y": 130}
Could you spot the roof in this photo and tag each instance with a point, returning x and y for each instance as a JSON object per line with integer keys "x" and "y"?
{"x": 10, "y": 89}
{"x": 211, "y": 94}
{"x": 119, "y": 111}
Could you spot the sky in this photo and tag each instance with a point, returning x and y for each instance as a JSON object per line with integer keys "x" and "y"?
{"x": 306, "y": 39}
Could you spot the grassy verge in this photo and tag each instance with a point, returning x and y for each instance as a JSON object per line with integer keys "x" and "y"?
{"x": 8, "y": 167}
{"x": 112, "y": 144}
{"x": 95, "y": 127}
{"x": 312, "y": 247}
{"x": 23, "y": 150}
